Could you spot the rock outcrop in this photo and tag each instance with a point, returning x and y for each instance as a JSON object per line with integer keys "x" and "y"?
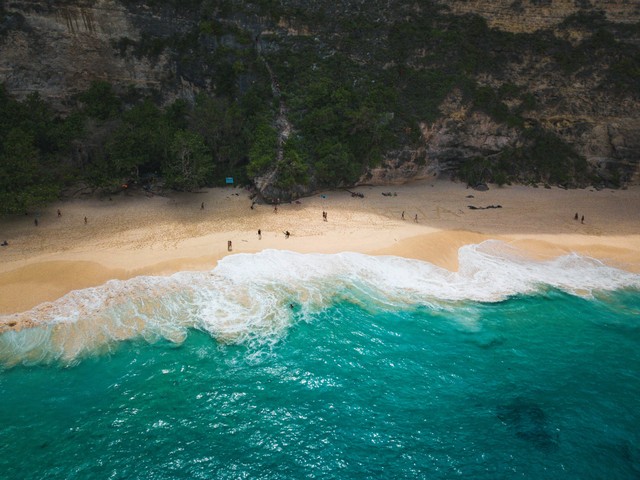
{"x": 59, "y": 49}
{"x": 532, "y": 15}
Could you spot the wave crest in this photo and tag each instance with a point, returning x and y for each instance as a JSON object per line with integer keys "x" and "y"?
{"x": 254, "y": 298}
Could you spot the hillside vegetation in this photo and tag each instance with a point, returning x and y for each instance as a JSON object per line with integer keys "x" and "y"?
{"x": 293, "y": 96}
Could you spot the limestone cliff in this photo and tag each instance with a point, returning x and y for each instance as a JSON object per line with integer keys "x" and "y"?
{"x": 532, "y": 15}
{"x": 600, "y": 123}
{"x": 58, "y": 47}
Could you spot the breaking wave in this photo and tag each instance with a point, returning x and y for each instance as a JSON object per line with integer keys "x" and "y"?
{"x": 254, "y": 298}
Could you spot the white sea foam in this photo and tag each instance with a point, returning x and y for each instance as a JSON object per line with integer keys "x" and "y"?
{"x": 254, "y": 297}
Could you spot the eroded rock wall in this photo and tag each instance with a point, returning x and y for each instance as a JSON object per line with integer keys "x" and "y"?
{"x": 59, "y": 49}
{"x": 531, "y": 15}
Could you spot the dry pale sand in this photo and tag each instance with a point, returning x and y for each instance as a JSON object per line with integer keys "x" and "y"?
{"x": 136, "y": 234}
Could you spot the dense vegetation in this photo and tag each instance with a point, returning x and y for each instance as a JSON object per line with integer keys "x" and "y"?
{"x": 354, "y": 90}
{"x": 32, "y": 142}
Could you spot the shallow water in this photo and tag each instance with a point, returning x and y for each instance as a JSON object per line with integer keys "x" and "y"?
{"x": 279, "y": 365}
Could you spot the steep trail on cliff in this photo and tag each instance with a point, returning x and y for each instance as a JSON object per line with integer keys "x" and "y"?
{"x": 282, "y": 123}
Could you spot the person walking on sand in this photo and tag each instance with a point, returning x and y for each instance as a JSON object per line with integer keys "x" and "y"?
{"x": 575, "y": 217}
{"x": 582, "y": 220}
{"x": 259, "y": 234}
{"x": 202, "y": 206}
{"x": 415, "y": 219}
{"x": 85, "y": 220}
{"x": 286, "y": 234}
{"x": 229, "y": 246}
{"x": 402, "y": 216}
{"x": 59, "y": 213}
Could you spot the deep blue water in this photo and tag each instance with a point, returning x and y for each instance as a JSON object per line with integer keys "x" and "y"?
{"x": 542, "y": 384}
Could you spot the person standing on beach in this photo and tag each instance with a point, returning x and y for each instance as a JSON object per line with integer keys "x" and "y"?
{"x": 229, "y": 246}
{"x": 202, "y": 206}
{"x": 402, "y": 216}
{"x": 259, "y": 234}
{"x": 582, "y": 220}
{"x": 415, "y": 219}
{"x": 576, "y": 216}
{"x": 85, "y": 220}
{"x": 59, "y": 213}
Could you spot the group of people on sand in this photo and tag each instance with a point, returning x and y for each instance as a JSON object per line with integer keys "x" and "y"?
{"x": 575, "y": 217}
{"x": 287, "y": 234}
{"x": 415, "y": 218}
{"x": 36, "y": 222}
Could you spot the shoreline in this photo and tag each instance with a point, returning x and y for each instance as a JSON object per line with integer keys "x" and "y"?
{"x": 134, "y": 234}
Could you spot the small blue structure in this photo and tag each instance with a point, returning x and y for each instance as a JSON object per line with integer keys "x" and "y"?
{"x": 229, "y": 180}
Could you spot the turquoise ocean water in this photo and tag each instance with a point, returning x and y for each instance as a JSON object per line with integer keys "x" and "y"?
{"x": 285, "y": 366}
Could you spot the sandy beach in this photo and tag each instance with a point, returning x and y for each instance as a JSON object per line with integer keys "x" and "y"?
{"x": 135, "y": 233}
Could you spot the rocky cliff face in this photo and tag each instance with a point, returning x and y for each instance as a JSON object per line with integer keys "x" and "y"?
{"x": 58, "y": 47}
{"x": 533, "y": 15}
{"x": 600, "y": 124}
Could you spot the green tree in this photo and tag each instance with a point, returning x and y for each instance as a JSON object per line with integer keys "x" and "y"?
{"x": 176, "y": 114}
{"x": 293, "y": 169}
{"x": 100, "y": 101}
{"x": 189, "y": 165}
{"x": 334, "y": 163}
{"x": 226, "y": 128}
{"x": 22, "y": 182}
{"x": 262, "y": 153}
{"x": 140, "y": 143}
